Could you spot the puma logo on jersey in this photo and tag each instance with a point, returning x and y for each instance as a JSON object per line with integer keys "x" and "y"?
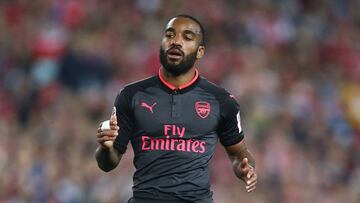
{"x": 147, "y": 106}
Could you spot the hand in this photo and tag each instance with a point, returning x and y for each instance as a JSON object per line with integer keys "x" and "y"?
{"x": 108, "y": 131}
{"x": 248, "y": 175}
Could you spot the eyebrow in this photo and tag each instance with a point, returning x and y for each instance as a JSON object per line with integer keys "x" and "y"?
{"x": 170, "y": 29}
{"x": 190, "y": 32}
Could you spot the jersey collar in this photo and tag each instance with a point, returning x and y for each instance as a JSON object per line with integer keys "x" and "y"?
{"x": 172, "y": 87}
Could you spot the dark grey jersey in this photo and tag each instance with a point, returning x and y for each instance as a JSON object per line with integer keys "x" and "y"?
{"x": 173, "y": 132}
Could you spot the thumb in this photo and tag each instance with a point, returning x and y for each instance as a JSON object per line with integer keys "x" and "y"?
{"x": 113, "y": 118}
{"x": 244, "y": 163}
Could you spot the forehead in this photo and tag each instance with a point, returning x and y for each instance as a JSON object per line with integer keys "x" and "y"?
{"x": 182, "y": 24}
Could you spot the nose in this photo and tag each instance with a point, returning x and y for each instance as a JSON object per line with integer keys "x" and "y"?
{"x": 176, "y": 41}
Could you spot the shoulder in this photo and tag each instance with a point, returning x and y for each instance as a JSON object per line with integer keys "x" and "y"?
{"x": 227, "y": 102}
{"x": 214, "y": 89}
{"x": 130, "y": 89}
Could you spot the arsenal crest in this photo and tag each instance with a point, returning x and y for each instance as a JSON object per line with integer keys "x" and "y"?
{"x": 202, "y": 108}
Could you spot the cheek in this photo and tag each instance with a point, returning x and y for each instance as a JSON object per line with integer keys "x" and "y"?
{"x": 190, "y": 49}
{"x": 164, "y": 43}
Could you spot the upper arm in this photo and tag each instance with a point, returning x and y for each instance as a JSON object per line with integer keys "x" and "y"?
{"x": 125, "y": 121}
{"x": 229, "y": 130}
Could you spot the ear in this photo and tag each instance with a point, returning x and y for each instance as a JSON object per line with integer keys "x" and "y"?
{"x": 200, "y": 52}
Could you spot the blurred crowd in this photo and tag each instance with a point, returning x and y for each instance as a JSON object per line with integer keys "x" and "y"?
{"x": 293, "y": 65}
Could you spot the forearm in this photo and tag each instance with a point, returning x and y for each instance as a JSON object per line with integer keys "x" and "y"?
{"x": 107, "y": 159}
{"x": 237, "y": 159}
{"x": 236, "y": 154}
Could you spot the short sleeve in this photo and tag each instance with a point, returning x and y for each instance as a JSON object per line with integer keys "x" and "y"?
{"x": 125, "y": 121}
{"x": 230, "y": 130}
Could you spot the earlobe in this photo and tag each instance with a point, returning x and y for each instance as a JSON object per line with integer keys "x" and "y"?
{"x": 200, "y": 52}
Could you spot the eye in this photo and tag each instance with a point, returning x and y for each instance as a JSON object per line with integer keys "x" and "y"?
{"x": 169, "y": 34}
{"x": 188, "y": 37}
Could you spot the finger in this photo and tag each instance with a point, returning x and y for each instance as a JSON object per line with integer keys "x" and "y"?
{"x": 244, "y": 163}
{"x": 251, "y": 189}
{"x": 113, "y": 118}
{"x": 99, "y": 134}
{"x": 104, "y": 139}
{"x": 114, "y": 127}
{"x": 109, "y": 133}
{"x": 107, "y": 136}
{"x": 244, "y": 171}
{"x": 99, "y": 130}
{"x": 251, "y": 185}
{"x": 250, "y": 173}
{"x": 251, "y": 180}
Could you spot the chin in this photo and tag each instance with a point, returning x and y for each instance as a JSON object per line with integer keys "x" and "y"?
{"x": 170, "y": 62}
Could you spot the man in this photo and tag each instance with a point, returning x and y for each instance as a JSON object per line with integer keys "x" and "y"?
{"x": 173, "y": 121}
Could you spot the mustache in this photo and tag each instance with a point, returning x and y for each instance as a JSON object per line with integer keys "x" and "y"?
{"x": 175, "y": 48}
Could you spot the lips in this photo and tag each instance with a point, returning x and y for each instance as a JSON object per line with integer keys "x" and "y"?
{"x": 174, "y": 54}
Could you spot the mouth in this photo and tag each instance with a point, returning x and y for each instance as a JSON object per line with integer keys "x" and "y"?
{"x": 174, "y": 54}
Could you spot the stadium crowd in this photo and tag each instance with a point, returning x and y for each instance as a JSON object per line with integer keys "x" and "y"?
{"x": 293, "y": 65}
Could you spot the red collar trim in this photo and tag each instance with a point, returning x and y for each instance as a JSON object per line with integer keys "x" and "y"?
{"x": 172, "y": 87}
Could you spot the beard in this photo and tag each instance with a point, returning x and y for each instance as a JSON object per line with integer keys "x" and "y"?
{"x": 176, "y": 69}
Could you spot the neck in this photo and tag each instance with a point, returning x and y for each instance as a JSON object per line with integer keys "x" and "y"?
{"x": 178, "y": 80}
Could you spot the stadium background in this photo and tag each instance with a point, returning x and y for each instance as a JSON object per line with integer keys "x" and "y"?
{"x": 294, "y": 66}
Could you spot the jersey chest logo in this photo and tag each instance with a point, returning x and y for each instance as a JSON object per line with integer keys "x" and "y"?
{"x": 147, "y": 106}
{"x": 202, "y": 109}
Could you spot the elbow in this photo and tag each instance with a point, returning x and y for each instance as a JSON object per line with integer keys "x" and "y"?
{"x": 106, "y": 160}
{"x": 105, "y": 168}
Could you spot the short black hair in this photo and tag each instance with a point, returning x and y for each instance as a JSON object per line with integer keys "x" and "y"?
{"x": 202, "y": 30}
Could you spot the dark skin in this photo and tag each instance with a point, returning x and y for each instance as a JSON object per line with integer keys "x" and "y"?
{"x": 243, "y": 164}
{"x": 106, "y": 155}
{"x": 186, "y": 35}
